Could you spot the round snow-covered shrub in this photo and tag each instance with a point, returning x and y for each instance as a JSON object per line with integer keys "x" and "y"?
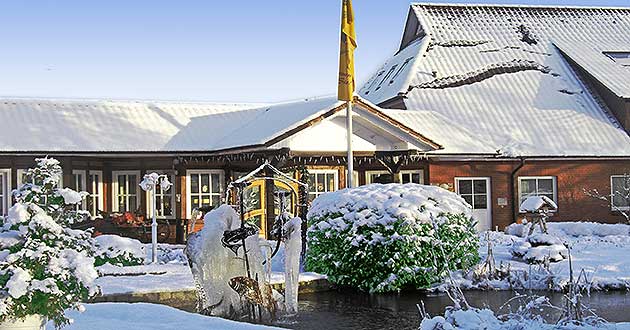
{"x": 119, "y": 251}
{"x": 390, "y": 237}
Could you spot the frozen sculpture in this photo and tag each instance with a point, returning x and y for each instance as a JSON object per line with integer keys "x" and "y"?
{"x": 231, "y": 263}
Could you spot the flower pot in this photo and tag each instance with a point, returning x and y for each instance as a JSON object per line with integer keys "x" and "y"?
{"x": 31, "y": 322}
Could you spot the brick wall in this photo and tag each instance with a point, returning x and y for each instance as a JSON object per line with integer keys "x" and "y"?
{"x": 572, "y": 177}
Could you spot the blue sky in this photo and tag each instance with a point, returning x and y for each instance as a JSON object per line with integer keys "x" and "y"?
{"x": 242, "y": 51}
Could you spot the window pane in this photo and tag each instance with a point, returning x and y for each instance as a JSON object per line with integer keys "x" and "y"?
{"x": 132, "y": 184}
{"x": 406, "y": 178}
{"x": 121, "y": 185}
{"x": 528, "y": 187}
{"x": 122, "y": 205}
{"x": 2, "y": 185}
{"x": 415, "y": 178}
{"x": 468, "y": 199}
{"x": 168, "y": 209}
{"x": 132, "y": 204}
{"x": 216, "y": 200}
{"x": 479, "y": 186}
{"x": 331, "y": 182}
{"x": 465, "y": 186}
{"x": 215, "y": 183}
{"x": 545, "y": 186}
{"x": 321, "y": 181}
{"x": 205, "y": 183}
{"x": 481, "y": 202}
{"x": 311, "y": 183}
{"x": 194, "y": 183}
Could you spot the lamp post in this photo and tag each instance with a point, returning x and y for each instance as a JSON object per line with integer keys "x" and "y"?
{"x": 149, "y": 184}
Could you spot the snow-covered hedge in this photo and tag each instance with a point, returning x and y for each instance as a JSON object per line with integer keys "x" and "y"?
{"x": 119, "y": 251}
{"x": 382, "y": 238}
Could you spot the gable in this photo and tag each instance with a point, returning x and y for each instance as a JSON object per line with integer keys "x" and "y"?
{"x": 494, "y": 71}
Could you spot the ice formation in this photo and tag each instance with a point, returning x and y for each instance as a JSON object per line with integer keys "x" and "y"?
{"x": 293, "y": 249}
{"x": 226, "y": 287}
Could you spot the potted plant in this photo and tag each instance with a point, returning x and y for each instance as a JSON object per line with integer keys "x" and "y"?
{"x": 45, "y": 267}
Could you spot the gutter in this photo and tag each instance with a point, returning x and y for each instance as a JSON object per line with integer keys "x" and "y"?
{"x": 512, "y": 183}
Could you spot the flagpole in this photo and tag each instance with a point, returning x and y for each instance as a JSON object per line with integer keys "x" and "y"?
{"x": 350, "y": 174}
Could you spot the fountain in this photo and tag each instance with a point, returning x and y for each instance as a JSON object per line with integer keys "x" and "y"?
{"x": 231, "y": 263}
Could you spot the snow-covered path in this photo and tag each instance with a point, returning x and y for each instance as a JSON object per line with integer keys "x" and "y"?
{"x": 141, "y": 316}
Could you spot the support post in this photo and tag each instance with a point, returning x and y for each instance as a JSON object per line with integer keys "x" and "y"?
{"x": 153, "y": 226}
{"x": 350, "y": 167}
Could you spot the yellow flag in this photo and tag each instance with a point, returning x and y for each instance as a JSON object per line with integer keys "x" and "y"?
{"x": 346, "y": 53}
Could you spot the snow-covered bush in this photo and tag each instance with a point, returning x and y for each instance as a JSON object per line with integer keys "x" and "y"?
{"x": 45, "y": 267}
{"x": 119, "y": 251}
{"x": 381, "y": 238}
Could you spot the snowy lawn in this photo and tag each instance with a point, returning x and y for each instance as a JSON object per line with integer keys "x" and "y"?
{"x": 141, "y": 316}
{"x": 602, "y": 250}
{"x": 170, "y": 275}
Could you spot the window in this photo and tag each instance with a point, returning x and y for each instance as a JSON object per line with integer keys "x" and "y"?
{"x": 376, "y": 176}
{"x": 21, "y": 178}
{"x": 412, "y": 176}
{"x": 95, "y": 189}
{"x": 79, "y": 180}
{"x": 5, "y": 190}
{"x": 407, "y": 176}
{"x": 474, "y": 191}
{"x": 204, "y": 188}
{"x": 620, "y": 192}
{"x": 125, "y": 191}
{"x": 537, "y": 186}
{"x": 322, "y": 181}
{"x": 164, "y": 200}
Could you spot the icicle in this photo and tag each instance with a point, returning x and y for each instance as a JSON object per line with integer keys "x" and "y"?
{"x": 293, "y": 248}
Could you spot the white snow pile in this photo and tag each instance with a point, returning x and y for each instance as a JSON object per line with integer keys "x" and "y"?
{"x": 383, "y": 204}
{"x": 533, "y": 204}
{"x": 475, "y": 319}
{"x": 119, "y": 251}
{"x": 539, "y": 248}
{"x": 142, "y": 316}
{"x": 71, "y": 197}
{"x": 600, "y": 250}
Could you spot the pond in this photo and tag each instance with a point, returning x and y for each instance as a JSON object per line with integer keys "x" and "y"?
{"x": 352, "y": 310}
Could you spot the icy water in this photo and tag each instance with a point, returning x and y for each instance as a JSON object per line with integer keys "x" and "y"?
{"x": 357, "y": 311}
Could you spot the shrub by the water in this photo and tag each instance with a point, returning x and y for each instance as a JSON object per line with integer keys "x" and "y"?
{"x": 382, "y": 238}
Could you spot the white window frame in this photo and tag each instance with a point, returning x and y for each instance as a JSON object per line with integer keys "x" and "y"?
{"x": 97, "y": 199}
{"x": 6, "y": 190}
{"x": 368, "y": 175}
{"x": 488, "y": 181}
{"x": 554, "y": 187}
{"x": 418, "y": 171}
{"x": 221, "y": 174}
{"x": 324, "y": 171}
{"x": 171, "y": 191}
{"x": 83, "y": 182}
{"x": 612, "y": 199}
{"x": 115, "y": 175}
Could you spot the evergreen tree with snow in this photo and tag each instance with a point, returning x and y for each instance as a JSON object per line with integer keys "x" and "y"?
{"x": 45, "y": 267}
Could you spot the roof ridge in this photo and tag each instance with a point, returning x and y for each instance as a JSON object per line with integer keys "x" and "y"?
{"x": 523, "y": 6}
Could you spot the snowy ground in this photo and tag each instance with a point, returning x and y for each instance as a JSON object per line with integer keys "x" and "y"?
{"x": 600, "y": 250}
{"x": 171, "y": 274}
{"x": 141, "y": 316}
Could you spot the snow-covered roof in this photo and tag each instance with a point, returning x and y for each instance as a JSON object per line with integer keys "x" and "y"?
{"x": 497, "y": 72}
{"x": 33, "y": 125}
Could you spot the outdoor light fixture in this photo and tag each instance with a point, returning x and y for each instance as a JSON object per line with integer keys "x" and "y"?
{"x": 148, "y": 184}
